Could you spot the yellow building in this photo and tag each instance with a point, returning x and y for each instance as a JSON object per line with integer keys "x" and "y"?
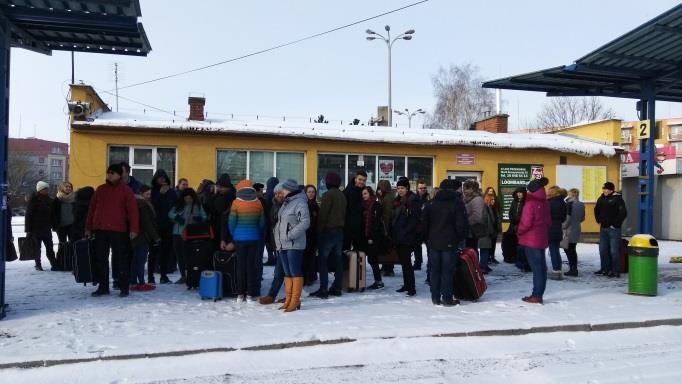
{"x": 199, "y": 148}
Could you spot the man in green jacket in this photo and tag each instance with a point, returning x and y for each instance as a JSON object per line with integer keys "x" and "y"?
{"x": 330, "y": 223}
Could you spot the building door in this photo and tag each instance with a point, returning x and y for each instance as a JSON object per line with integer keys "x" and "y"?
{"x": 463, "y": 176}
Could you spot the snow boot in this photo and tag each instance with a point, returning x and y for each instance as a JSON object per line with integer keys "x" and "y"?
{"x": 288, "y": 287}
{"x": 265, "y": 300}
{"x": 297, "y": 289}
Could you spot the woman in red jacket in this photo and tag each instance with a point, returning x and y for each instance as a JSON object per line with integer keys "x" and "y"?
{"x": 533, "y": 233}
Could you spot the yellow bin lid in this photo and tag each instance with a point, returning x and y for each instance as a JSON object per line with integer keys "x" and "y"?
{"x": 643, "y": 241}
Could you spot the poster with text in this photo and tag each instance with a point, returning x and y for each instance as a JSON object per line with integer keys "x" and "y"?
{"x": 510, "y": 177}
{"x": 387, "y": 170}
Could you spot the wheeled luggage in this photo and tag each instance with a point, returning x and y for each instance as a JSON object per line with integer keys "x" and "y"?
{"x": 211, "y": 285}
{"x": 226, "y": 264}
{"x": 84, "y": 261}
{"x": 355, "y": 276}
{"x": 623, "y": 256}
{"x": 197, "y": 256}
{"x": 469, "y": 281}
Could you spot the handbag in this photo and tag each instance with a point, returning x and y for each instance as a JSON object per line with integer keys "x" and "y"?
{"x": 198, "y": 231}
{"x": 29, "y": 248}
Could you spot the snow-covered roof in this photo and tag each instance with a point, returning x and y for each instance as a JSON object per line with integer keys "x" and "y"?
{"x": 360, "y": 133}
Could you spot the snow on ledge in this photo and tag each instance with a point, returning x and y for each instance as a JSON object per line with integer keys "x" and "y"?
{"x": 265, "y": 127}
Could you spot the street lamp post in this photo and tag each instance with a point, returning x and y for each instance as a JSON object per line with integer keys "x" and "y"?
{"x": 410, "y": 115}
{"x": 407, "y": 35}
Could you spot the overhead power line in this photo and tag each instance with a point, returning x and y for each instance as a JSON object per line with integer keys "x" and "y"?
{"x": 273, "y": 48}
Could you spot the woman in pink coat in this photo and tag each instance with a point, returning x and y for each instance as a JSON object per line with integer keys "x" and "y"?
{"x": 533, "y": 233}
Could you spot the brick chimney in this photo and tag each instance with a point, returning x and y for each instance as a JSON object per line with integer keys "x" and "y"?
{"x": 196, "y": 107}
{"x": 494, "y": 124}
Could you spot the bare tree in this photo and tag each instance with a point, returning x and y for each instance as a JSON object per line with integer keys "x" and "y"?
{"x": 562, "y": 112}
{"x": 460, "y": 99}
{"x": 21, "y": 175}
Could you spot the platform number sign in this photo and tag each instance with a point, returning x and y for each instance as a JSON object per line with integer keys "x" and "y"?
{"x": 643, "y": 129}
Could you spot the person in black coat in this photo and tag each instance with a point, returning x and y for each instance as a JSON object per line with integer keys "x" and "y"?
{"x": 405, "y": 218}
{"x": 610, "y": 213}
{"x": 270, "y": 185}
{"x": 352, "y": 233}
{"x": 219, "y": 206}
{"x": 558, "y": 210}
{"x": 81, "y": 207}
{"x": 38, "y": 223}
{"x": 443, "y": 223}
{"x": 163, "y": 199}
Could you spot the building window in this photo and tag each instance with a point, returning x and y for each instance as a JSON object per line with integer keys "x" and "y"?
{"x": 57, "y": 150}
{"x": 41, "y": 160}
{"x": 290, "y": 165}
{"x": 378, "y": 168}
{"x": 259, "y": 166}
{"x": 420, "y": 168}
{"x": 368, "y": 163}
{"x": 41, "y": 173}
{"x": 56, "y": 162}
{"x": 57, "y": 176}
{"x": 145, "y": 161}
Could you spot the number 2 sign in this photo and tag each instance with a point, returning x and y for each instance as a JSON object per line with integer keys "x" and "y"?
{"x": 643, "y": 130}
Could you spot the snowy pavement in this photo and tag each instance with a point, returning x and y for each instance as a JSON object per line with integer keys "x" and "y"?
{"x": 54, "y": 318}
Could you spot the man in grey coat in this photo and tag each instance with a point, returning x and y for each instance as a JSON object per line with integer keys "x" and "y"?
{"x": 572, "y": 229}
{"x": 293, "y": 219}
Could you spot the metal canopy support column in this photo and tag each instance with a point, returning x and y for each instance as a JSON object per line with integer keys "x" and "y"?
{"x": 4, "y": 133}
{"x": 647, "y": 158}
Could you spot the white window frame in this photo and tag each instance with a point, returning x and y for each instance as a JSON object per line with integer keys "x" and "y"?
{"x": 376, "y": 163}
{"x": 131, "y": 157}
{"x": 274, "y": 160}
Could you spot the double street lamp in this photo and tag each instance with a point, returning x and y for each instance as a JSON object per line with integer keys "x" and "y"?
{"x": 410, "y": 115}
{"x": 407, "y": 35}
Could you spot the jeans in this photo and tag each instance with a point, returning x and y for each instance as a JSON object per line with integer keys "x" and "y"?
{"x": 484, "y": 256}
{"x": 609, "y": 249}
{"x": 441, "y": 271}
{"x": 329, "y": 252}
{"x": 137, "y": 266}
{"x": 537, "y": 262}
{"x": 554, "y": 255}
{"x": 292, "y": 262}
{"x": 179, "y": 248}
{"x": 248, "y": 279}
{"x": 119, "y": 244}
{"x": 277, "y": 279}
{"x": 405, "y": 255}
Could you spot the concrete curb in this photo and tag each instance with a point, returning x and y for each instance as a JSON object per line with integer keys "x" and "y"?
{"x": 311, "y": 343}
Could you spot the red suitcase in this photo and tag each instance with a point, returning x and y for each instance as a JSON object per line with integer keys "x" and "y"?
{"x": 469, "y": 281}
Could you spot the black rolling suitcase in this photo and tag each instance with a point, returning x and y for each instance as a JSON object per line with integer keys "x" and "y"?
{"x": 83, "y": 261}
{"x": 197, "y": 256}
{"x": 226, "y": 264}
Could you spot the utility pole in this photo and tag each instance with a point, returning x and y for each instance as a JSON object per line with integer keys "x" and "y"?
{"x": 73, "y": 69}
{"x": 116, "y": 80}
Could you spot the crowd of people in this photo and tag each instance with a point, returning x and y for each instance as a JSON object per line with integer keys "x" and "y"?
{"x": 305, "y": 236}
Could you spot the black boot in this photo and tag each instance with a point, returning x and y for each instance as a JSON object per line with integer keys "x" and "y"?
{"x": 572, "y": 265}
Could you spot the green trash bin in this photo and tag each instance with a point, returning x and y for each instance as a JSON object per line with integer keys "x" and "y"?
{"x": 643, "y": 264}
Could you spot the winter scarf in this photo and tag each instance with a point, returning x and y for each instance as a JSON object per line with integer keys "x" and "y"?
{"x": 67, "y": 198}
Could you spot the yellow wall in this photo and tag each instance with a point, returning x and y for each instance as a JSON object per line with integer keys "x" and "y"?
{"x": 196, "y": 156}
{"x": 607, "y": 131}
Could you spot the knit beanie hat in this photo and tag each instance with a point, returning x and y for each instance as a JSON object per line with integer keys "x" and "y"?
{"x": 290, "y": 185}
{"x": 244, "y": 184}
{"x": 42, "y": 185}
{"x": 448, "y": 184}
{"x": 403, "y": 182}
{"x": 116, "y": 168}
{"x": 332, "y": 180}
{"x": 536, "y": 184}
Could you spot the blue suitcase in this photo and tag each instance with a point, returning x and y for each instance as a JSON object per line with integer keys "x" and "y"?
{"x": 211, "y": 285}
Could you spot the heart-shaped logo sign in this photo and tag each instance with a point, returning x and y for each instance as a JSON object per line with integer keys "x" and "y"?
{"x": 386, "y": 167}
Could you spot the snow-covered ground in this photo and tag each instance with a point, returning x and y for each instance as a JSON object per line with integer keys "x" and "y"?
{"x": 54, "y": 318}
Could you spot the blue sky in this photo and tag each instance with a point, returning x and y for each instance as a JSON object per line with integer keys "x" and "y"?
{"x": 340, "y": 75}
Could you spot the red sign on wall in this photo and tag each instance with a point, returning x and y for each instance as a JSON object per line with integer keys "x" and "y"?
{"x": 466, "y": 159}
